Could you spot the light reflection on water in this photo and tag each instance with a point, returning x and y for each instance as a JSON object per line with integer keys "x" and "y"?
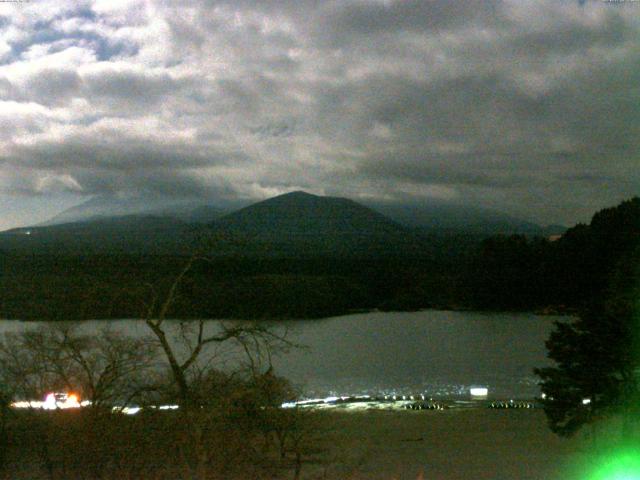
{"x": 438, "y": 353}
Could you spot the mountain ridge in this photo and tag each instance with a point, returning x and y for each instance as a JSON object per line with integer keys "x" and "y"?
{"x": 427, "y": 217}
{"x": 296, "y": 224}
{"x": 300, "y": 212}
{"x": 109, "y": 206}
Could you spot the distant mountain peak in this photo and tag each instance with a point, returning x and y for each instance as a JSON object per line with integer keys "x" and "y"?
{"x": 289, "y": 210}
{"x": 298, "y": 193}
{"x": 303, "y": 212}
{"x": 298, "y": 196}
{"x": 118, "y": 205}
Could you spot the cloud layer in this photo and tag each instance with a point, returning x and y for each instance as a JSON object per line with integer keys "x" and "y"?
{"x": 530, "y": 107}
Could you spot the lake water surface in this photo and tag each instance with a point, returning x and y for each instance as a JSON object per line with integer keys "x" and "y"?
{"x": 438, "y": 353}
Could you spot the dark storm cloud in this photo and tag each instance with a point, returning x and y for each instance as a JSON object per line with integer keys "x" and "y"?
{"x": 126, "y": 159}
{"x": 372, "y": 19}
{"x": 131, "y": 87}
{"x": 103, "y": 167}
{"x": 523, "y": 106}
{"x": 50, "y": 86}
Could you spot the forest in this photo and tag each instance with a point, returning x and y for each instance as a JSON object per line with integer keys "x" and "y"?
{"x": 497, "y": 273}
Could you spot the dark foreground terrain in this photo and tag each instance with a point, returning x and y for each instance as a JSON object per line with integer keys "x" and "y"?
{"x": 447, "y": 445}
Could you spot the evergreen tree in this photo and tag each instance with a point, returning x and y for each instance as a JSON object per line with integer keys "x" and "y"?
{"x": 597, "y": 357}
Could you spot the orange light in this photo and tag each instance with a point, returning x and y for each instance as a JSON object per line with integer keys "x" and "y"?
{"x": 72, "y": 398}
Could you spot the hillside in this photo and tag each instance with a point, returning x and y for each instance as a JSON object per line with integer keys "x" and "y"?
{"x": 432, "y": 216}
{"x": 290, "y": 225}
{"x": 301, "y": 213}
{"x": 294, "y": 224}
{"x": 108, "y": 206}
{"x": 299, "y": 223}
{"x": 518, "y": 273}
{"x": 303, "y": 256}
{"x": 444, "y": 218}
{"x": 131, "y": 234}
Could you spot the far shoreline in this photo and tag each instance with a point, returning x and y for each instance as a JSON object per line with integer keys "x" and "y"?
{"x": 550, "y": 311}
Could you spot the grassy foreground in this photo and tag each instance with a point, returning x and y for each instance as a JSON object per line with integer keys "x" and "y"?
{"x": 447, "y": 445}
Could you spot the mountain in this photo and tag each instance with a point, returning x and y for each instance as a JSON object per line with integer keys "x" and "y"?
{"x": 125, "y": 234}
{"x": 293, "y": 224}
{"x": 452, "y": 218}
{"x": 428, "y": 217}
{"x": 301, "y": 213}
{"x": 302, "y": 223}
{"x": 105, "y": 206}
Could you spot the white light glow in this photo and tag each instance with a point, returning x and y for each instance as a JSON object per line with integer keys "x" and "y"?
{"x": 127, "y": 410}
{"x": 479, "y": 391}
{"x": 49, "y": 402}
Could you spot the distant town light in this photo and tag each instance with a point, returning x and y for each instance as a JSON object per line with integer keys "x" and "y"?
{"x": 49, "y": 402}
{"x": 586, "y": 401}
{"x": 127, "y": 410}
{"x": 53, "y": 401}
{"x": 479, "y": 391}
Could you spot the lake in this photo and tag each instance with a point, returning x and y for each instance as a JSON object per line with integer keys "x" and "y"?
{"x": 437, "y": 353}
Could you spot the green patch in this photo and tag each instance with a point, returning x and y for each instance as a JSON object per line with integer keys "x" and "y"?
{"x": 617, "y": 464}
{"x": 620, "y": 465}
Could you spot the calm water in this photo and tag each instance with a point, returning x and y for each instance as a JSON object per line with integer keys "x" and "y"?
{"x": 434, "y": 352}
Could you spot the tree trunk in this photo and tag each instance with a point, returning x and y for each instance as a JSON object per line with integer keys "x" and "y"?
{"x": 4, "y": 441}
{"x": 298, "y": 466}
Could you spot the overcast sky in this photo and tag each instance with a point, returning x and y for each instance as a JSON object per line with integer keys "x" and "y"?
{"x": 528, "y": 107}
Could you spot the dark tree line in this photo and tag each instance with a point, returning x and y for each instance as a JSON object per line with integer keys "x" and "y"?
{"x": 519, "y": 273}
{"x": 452, "y": 271}
{"x": 112, "y": 286}
{"x": 597, "y": 356}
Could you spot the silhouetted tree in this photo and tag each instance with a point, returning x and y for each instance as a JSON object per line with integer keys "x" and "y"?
{"x": 586, "y": 256}
{"x": 185, "y": 346}
{"x": 5, "y": 403}
{"x": 104, "y": 367}
{"x": 203, "y": 390}
{"x": 597, "y": 372}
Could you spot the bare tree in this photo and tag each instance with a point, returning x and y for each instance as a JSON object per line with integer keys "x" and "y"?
{"x": 5, "y": 402}
{"x": 104, "y": 367}
{"x": 184, "y": 350}
{"x": 234, "y": 402}
{"x": 229, "y": 420}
